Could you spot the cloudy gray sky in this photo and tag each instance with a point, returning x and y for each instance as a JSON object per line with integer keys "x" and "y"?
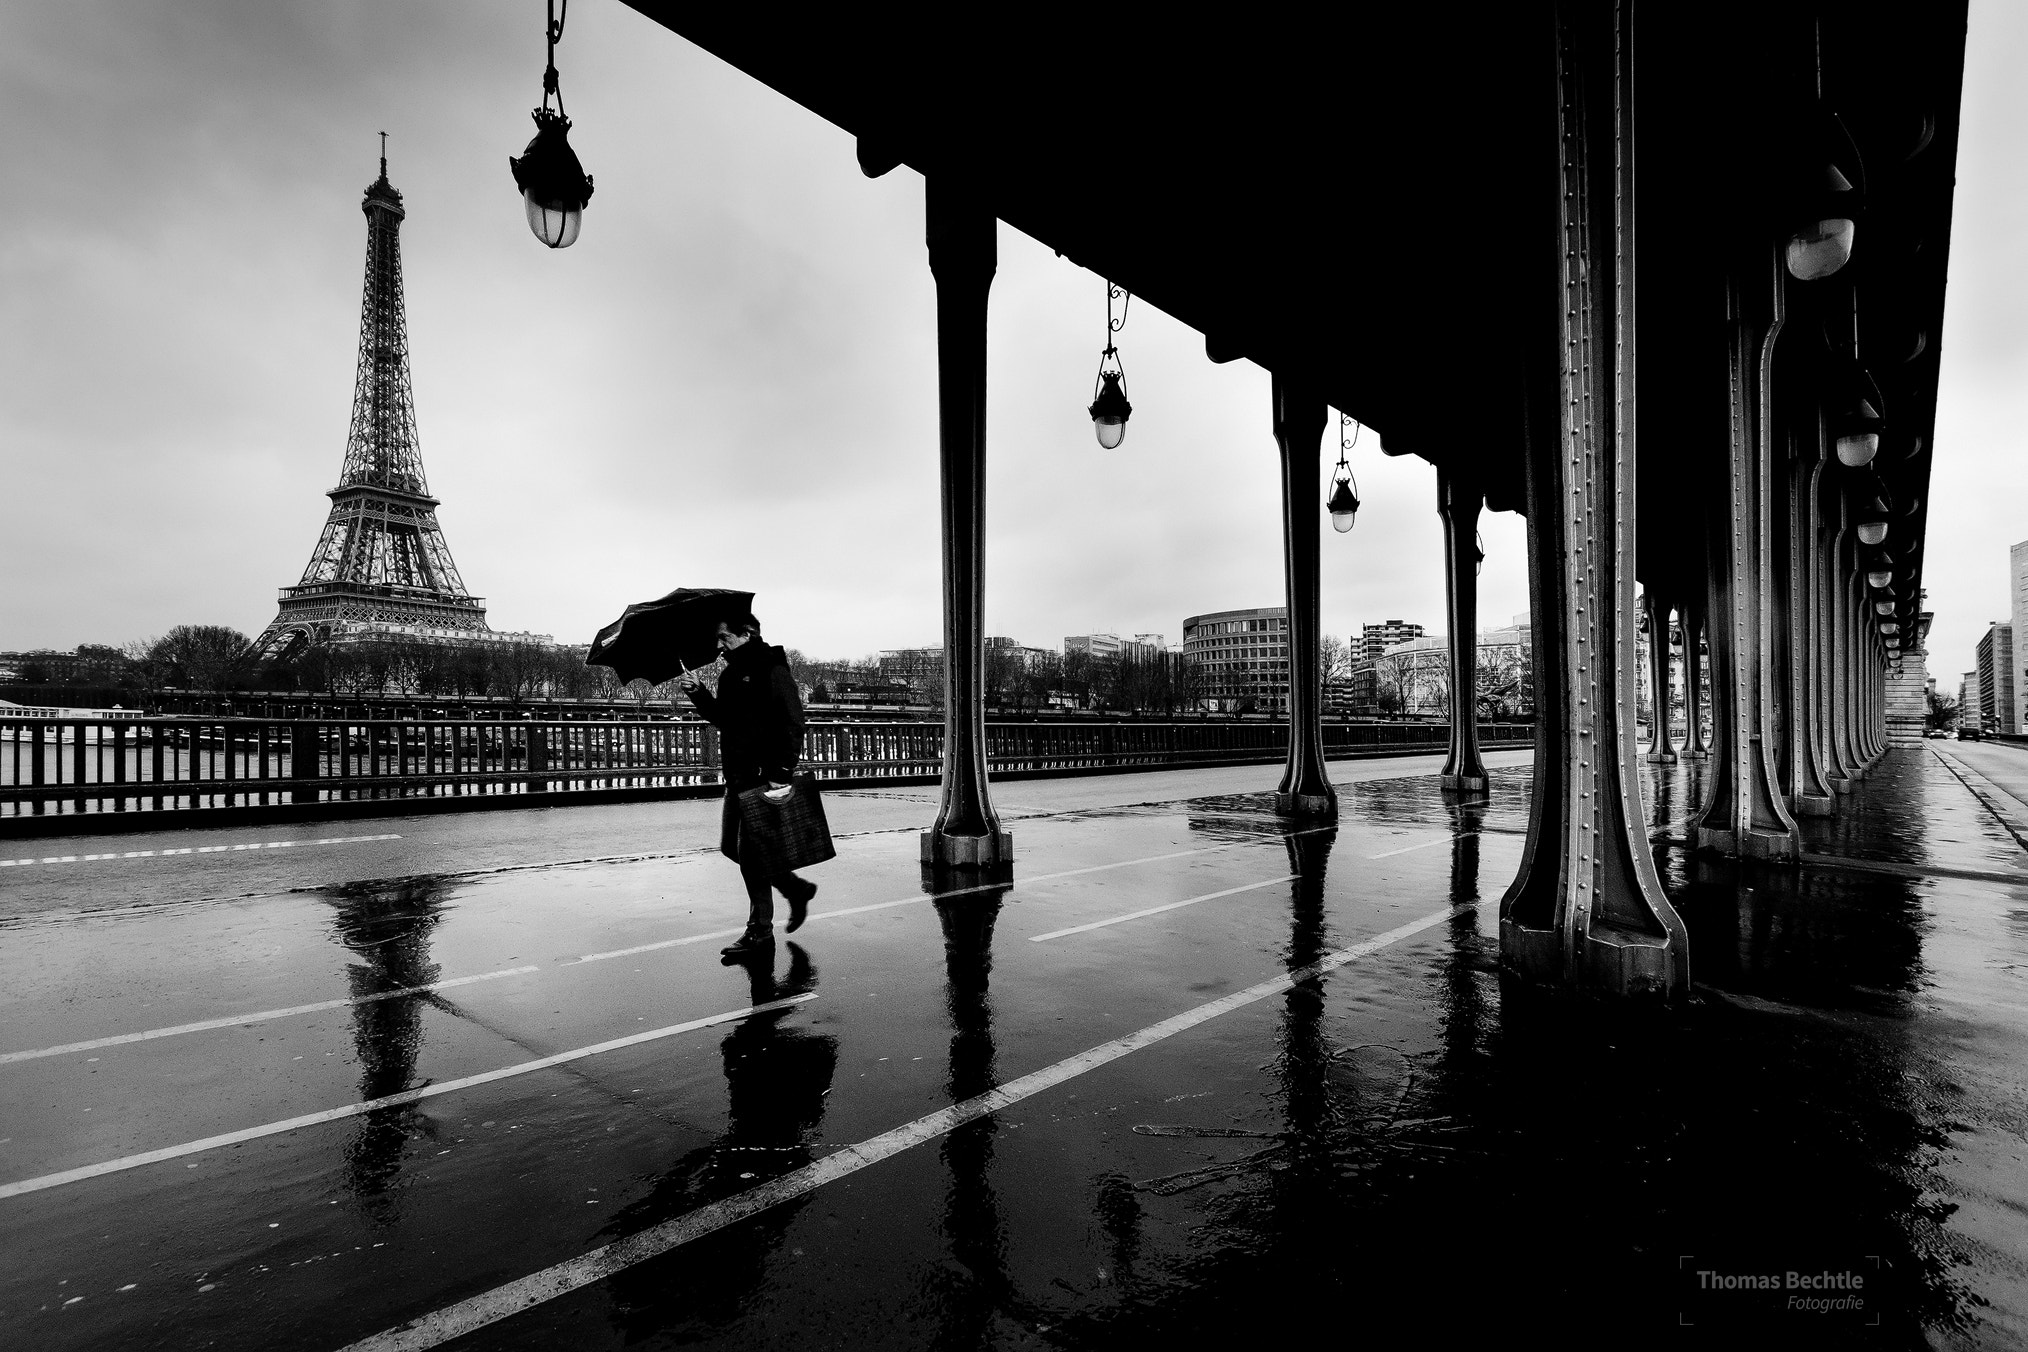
{"x": 728, "y": 381}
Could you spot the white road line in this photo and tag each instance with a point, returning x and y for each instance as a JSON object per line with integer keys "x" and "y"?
{"x": 264, "y": 1015}
{"x": 192, "y": 849}
{"x": 453, "y": 1321}
{"x": 940, "y": 896}
{"x": 373, "y": 1105}
{"x": 237, "y": 1020}
{"x": 1157, "y": 910}
{"x": 1442, "y": 840}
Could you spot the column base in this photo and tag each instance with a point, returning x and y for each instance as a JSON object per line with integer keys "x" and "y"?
{"x": 1781, "y": 849}
{"x": 1812, "y": 805}
{"x": 1465, "y": 783}
{"x": 1840, "y": 785}
{"x": 1696, "y": 753}
{"x": 1306, "y": 804}
{"x": 1661, "y": 758}
{"x": 1609, "y": 961}
{"x": 967, "y": 851}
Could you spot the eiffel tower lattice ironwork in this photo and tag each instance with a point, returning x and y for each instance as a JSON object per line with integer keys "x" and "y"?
{"x": 381, "y": 567}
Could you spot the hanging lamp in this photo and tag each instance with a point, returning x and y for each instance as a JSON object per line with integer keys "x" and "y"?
{"x": 1109, "y": 407}
{"x": 1343, "y": 504}
{"x": 554, "y": 186}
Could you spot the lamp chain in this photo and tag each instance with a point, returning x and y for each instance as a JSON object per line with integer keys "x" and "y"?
{"x": 553, "y": 32}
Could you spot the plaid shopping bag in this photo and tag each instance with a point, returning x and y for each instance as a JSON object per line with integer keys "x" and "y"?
{"x": 783, "y": 837}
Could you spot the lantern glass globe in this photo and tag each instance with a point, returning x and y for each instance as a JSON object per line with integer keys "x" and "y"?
{"x": 1858, "y": 449}
{"x": 1820, "y": 249}
{"x": 555, "y": 225}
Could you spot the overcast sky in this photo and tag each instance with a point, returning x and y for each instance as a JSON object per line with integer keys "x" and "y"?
{"x": 728, "y": 381}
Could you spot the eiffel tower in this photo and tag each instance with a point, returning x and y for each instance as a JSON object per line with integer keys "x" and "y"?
{"x": 381, "y": 568}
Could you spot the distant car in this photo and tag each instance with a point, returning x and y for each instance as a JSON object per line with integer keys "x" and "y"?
{"x": 1970, "y": 735}
{"x": 1936, "y": 732}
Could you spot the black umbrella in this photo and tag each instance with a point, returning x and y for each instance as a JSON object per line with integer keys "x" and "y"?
{"x": 655, "y": 640}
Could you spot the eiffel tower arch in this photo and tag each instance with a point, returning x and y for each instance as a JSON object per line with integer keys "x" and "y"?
{"x": 381, "y": 568}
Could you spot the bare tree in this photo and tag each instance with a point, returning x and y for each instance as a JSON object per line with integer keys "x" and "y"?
{"x": 203, "y": 656}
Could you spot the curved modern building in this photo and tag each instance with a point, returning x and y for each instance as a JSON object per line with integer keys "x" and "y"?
{"x": 1241, "y": 655}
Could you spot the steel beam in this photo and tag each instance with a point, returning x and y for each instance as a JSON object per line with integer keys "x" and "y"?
{"x": 1587, "y": 909}
{"x": 1458, "y": 503}
{"x": 1299, "y": 418}
{"x": 963, "y": 253}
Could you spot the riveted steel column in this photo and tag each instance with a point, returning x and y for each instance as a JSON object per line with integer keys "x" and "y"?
{"x": 1661, "y": 746}
{"x": 1587, "y": 909}
{"x": 1809, "y": 794}
{"x": 1747, "y": 815}
{"x": 1299, "y": 418}
{"x": 1458, "y": 504}
{"x": 963, "y": 252}
{"x": 1693, "y": 611}
{"x": 1831, "y": 629}
{"x": 1851, "y": 622}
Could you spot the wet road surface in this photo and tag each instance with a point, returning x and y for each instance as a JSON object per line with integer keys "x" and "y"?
{"x": 1187, "y": 1075}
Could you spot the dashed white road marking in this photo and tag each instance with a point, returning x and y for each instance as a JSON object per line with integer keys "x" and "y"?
{"x": 452, "y": 1321}
{"x": 114, "y": 1166}
{"x": 954, "y": 892}
{"x": 1423, "y": 845}
{"x": 190, "y": 849}
{"x": 237, "y": 1020}
{"x": 261, "y": 1016}
{"x": 1157, "y": 910}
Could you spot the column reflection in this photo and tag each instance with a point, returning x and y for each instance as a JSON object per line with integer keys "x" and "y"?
{"x": 1302, "y": 1188}
{"x": 972, "y": 1224}
{"x": 387, "y": 926}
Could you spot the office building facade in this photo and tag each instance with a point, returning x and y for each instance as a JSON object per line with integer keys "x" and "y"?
{"x": 1996, "y": 679}
{"x": 1242, "y": 658}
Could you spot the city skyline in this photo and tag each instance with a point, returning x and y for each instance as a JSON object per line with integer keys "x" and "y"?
{"x": 740, "y": 347}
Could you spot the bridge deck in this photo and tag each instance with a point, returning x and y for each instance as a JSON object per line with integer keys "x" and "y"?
{"x": 1179, "y": 1143}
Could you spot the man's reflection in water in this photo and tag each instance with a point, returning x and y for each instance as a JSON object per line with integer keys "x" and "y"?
{"x": 777, "y": 1073}
{"x": 387, "y": 926}
{"x": 972, "y": 1225}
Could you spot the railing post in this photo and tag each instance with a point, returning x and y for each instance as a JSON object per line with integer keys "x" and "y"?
{"x": 305, "y": 760}
{"x": 538, "y": 752}
{"x": 77, "y": 766}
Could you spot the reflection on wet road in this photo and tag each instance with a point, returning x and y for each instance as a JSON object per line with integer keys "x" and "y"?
{"x": 1249, "y": 1070}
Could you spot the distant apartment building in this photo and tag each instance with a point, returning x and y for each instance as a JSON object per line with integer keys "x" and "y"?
{"x": 1015, "y": 650}
{"x": 1968, "y": 698}
{"x": 1997, "y": 678}
{"x": 1102, "y": 646}
{"x": 1413, "y": 677}
{"x": 1242, "y": 657}
{"x": 1138, "y": 648}
{"x": 2017, "y": 591}
{"x": 1375, "y": 639}
{"x": 89, "y": 662}
{"x": 917, "y": 668}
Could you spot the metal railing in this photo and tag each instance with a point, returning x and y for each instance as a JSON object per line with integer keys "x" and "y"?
{"x": 64, "y": 766}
